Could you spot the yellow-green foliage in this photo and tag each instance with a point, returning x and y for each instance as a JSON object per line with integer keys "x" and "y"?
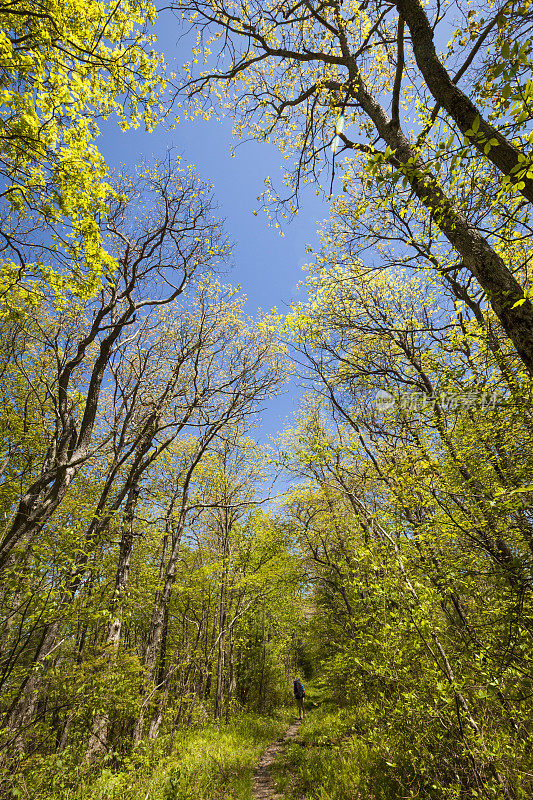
{"x": 208, "y": 762}
{"x": 65, "y": 64}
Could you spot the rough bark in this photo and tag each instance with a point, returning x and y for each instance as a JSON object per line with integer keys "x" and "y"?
{"x": 500, "y": 285}
{"x": 505, "y": 155}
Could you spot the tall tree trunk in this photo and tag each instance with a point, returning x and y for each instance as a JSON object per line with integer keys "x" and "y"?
{"x": 504, "y": 155}
{"x": 22, "y": 711}
{"x": 155, "y": 635}
{"x": 489, "y": 269}
{"x": 100, "y": 729}
{"x": 161, "y": 690}
{"x": 232, "y": 678}
{"x": 222, "y": 616}
{"x": 164, "y": 594}
{"x": 71, "y": 448}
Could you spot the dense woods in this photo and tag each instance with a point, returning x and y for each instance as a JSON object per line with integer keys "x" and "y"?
{"x": 164, "y": 573}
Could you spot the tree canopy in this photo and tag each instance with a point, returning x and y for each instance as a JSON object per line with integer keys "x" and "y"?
{"x": 166, "y": 572}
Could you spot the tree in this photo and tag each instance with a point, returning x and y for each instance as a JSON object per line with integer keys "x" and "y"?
{"x": 410, "y": 515}
{"x": 234, "y": 474}
{"x": 293, "y": 71}
{"x": 509, "y": 158}
{"x": 64, "y": 66}
{"x": 247, "y": 360}
{"x": 159, "y": 256}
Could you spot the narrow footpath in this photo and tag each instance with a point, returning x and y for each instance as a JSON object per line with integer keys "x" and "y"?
{"x": 264, "y": 788}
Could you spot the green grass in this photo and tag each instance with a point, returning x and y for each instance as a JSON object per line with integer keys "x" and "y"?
{"x": 321, "y": 764}
{"x": 356, "y": 754}
{"x": 212, "y": 762}
{"x": 334, "y": 759}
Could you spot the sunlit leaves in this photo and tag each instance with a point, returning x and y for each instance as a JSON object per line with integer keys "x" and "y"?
{"x": 64, "y": 66}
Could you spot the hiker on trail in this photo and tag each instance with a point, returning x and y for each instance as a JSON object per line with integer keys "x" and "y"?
{"x": 299, "y": 693}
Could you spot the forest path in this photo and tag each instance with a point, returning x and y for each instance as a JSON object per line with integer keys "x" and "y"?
{"x": 263, "y": 782}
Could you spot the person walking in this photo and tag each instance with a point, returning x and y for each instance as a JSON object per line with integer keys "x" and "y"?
{"x": 299, "y": 694}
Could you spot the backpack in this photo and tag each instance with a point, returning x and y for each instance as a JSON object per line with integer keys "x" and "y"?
{"x": 299, "y": 690}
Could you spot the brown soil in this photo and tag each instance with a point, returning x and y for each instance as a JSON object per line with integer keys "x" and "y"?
{"x": 263, "y": 782}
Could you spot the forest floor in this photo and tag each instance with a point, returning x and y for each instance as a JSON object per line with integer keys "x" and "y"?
{"x": 264, "y": 786}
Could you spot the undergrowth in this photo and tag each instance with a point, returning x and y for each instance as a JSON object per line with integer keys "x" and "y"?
{"x": 212, "y": 762}
{"x": 340, "y": 756}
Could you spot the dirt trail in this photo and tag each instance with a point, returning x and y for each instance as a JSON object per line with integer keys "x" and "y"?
{"x": 263, "y": 781}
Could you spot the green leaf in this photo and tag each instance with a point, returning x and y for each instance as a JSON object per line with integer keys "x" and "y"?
{"x": 506, "y": 91}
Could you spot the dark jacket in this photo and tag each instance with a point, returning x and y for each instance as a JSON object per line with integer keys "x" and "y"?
{"x": 299, "y": 690}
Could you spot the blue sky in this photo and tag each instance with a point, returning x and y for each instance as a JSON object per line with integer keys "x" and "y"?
{"x": 267, "y": 266}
